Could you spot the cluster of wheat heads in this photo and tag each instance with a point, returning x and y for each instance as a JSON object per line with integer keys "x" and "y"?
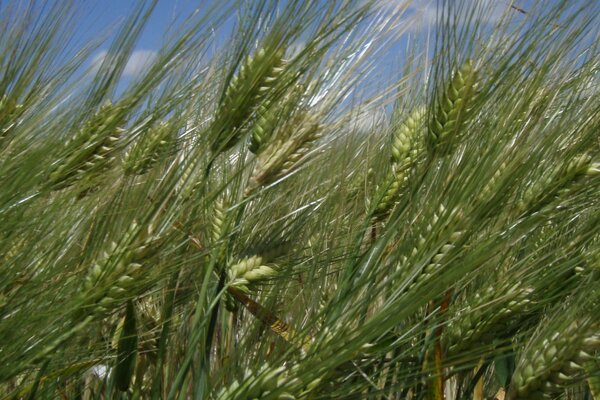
{"x": 227, "y": 226}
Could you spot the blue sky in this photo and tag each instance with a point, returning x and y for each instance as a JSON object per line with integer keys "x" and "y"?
{"x": 98, "y": 15}
{"x": 102, "y": 16}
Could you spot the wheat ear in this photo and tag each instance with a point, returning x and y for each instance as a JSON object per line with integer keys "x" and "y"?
{"x": 286, "y": 153}
{"x": 91, "y": 150}
{"x": 477, "y": 322}
{"x": 554, "y": 361}
{"x": 249, "y": 270}
{"x": 218, "y": 220}
{"x": 452, "y": 108}
{"x": 546, "y": 188}
{"x": 256, "y": 384}
{"x": 147, "y": 151}
{"x": 264, "y": 382}
{"x": 404, "y": 148}
{"x": 244, "y": 94}
{"x": 110, "y": 280}
{"x": 454, "y": 219}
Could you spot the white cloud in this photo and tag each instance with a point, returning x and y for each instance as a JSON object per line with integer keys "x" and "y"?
{"x": 422, "y": 14}
{"x": 138, "y": 62}
{"x": 97, "y": 61}
{"x": 367, "y": 120}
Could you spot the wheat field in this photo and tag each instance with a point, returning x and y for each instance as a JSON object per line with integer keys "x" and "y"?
{"x": 302, "y": 199}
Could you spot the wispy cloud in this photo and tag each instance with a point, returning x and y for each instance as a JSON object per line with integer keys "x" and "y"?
{"x": 422, "y": 14}
{"x": 138, "y": 62}
{"x": 366, "y": 120}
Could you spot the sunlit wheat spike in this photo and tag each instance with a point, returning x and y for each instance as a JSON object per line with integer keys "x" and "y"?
{"x": 256, "y": 384}
{"x": 263, "y": 127}
{"x": 148, "y": 150}
{"x": 491, "y": 187}
{"x": 217, "y": 220}
{"x": 245, "y": 93}
{"x": 557, "y": 182}
{"x": 269, "y": 115}
{"x": 404, "y": 148}
{"x": 439, "y": 259}
{"x": 555, "y": 360}
{"x": 249, "y": 270}
{"x": 404, "y": 140}
{"x": 91, "y": 150}
{"x": 286, "y": 153}
{"x": 592, "y": 371}
{"x": 392, "y": 186}
{"x": 111, "y": 278}
{"x": 453, "y": 219}
{"x": 452, "y": 107}
{"x": 263, "y": 382}
{"x": 484, "y": 314}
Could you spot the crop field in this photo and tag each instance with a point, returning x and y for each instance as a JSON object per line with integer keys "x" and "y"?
{"x": 300, "y": 199}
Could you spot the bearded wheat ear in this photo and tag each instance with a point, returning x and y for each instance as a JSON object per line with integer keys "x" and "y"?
{"x": 592, "y": 370}
{"x": 245, "y": 93}
{"x": 452, "y": 109}
{"x": 454, "y": 218}
{"x": 218, "y": 221}
{"x": 482, "y": 316}
{"x": 147, "y": 151}
{"x": 256, "y": 384}
{"x": 492, "y": 186}
{"x": 187, "y": 184}
{"x": 110, "y": 280}
{"x": 405, "y": 148}
{"x": 248, "y": 271}
{"x": 546, "y": 190}
{"x": 266, "y": 123}
{"x": 555, "y": 361}
{"x": 285, "y": 154}
{"x": 269, "y": 115}
{"x": 265, "y": 381}
{"x": 91, "y": 150}
{"x": 217, "y": 229}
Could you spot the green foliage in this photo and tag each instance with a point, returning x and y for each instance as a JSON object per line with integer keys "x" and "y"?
{"x": 224, "y": 226}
